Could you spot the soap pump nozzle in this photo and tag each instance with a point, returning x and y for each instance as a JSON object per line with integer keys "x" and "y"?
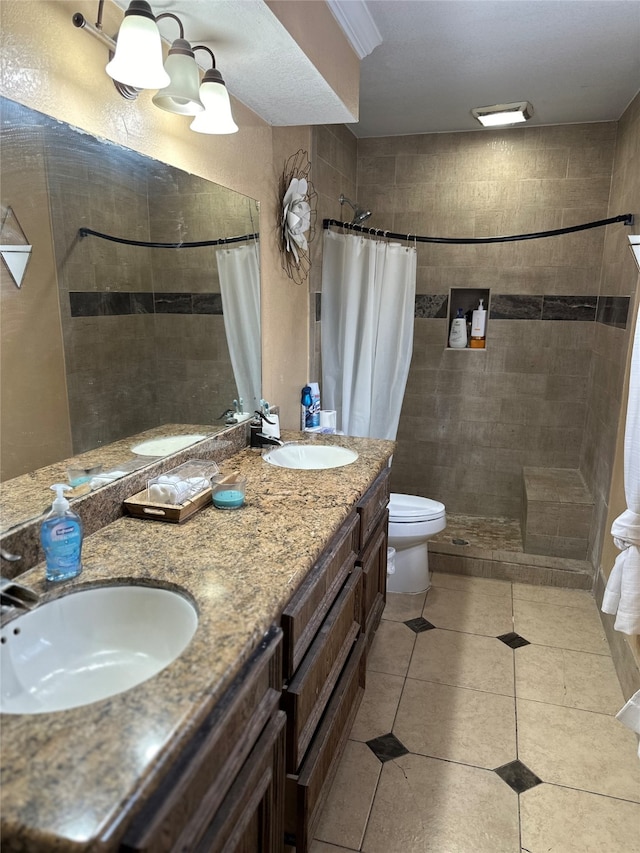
{"x": 60, "y": 503}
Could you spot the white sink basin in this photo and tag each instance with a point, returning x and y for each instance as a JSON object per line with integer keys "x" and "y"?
{"x": 165, "y": 445}
{"x": 90, "y": 645}
{"x": 310, "y": 456}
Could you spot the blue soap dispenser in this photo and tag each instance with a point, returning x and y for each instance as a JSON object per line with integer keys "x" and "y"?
{"x": 61, "y": 537}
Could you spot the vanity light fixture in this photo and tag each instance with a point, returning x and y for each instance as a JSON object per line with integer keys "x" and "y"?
{"x": 136, "y": 64}
{"x": 216, "y": 117}
{"x": 138, "y": 58}
{"x": 181, "y": 95}
{"x": 501, "y": 115}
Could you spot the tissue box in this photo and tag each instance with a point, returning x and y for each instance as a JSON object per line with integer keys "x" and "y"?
{"x": 176, "y": 495}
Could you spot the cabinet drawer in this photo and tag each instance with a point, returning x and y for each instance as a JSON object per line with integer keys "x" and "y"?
{"x": 250, "y": 818}
{"x": 373, "y": 503}
{"x": 307, "y": 791}
{"x": 306, "y": 696}
{"x": 303, "y": 616}
{"x": 374, "y": 577}
{"x": 209, "y": 763}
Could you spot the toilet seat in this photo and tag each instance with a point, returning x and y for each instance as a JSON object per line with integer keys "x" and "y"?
{"x": 409, "y": 509}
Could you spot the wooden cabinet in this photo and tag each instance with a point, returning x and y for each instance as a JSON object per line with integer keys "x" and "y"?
{"x": 328, "y": 626}
{"x": 372, "y": 552}
{"x": 226, "y": 789}
{"x": 256, "y": 773}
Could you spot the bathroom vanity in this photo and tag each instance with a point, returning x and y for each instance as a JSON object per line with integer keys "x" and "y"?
{"x": 234, "y": 745}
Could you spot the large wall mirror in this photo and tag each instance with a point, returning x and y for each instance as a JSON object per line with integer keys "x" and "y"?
{"x": 151, "y": 336}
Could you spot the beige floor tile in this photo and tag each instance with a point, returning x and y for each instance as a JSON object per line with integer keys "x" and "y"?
{"x": 560, "y": 626}
{"x": 456, "y": 724}
{"x": 471, "y": 612}
{"x": 391, "y": 648}
{"x": 378, "y": 708}
{"x": 554, "y": 595}
{"x": 569, "y": 678}
{"x": 568, "y": 821}
{"x": 347, "y": 808}
{"x": 323, "y": 847}
{"x": 427, "y": 805}
{"x": 484, "y": 586}
{"x": 463, "y": 660}
{"x": 402, "y": 606}
{"x": 578, "y": 749}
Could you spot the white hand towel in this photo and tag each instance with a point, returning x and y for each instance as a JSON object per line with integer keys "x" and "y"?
{"x": 629, "y": 715}
{"x": 622, "y": 595}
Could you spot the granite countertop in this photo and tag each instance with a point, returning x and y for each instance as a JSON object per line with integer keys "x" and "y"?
{"x": 70, "y": 778}
{"x": 29, "y": 495}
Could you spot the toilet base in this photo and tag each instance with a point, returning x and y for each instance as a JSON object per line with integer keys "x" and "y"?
{"x": 412, "y": 568}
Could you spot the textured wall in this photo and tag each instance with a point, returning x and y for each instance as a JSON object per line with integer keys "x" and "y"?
{"x": 35, "y": 424}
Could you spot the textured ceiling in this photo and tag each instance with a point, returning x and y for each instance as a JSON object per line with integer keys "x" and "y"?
{"x": 574, "y": 60}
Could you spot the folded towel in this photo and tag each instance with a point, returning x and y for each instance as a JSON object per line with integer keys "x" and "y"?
{"x": 622, "y": 595}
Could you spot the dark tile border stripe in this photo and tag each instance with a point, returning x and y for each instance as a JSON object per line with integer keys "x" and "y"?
{"x": 114, "y": 303}
{"x": 610, "y": 310}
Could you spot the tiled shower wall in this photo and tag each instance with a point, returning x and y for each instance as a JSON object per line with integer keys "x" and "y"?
{"x": 334, "y": 165}
{"x": 143, "y": 329}
{"x": 472, "y": 419}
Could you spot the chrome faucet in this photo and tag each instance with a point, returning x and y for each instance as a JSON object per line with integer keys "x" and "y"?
{"x": 10, "y": 558}
{"x": 16, "y": 596}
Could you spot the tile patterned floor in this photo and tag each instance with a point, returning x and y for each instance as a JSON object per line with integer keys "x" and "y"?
{"x": 487, "y": 726}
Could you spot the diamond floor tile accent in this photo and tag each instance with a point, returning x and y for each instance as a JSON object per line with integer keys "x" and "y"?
{"x": 518, "y": 776}
{"x": 515, "y": 641}
{"x": 419, "y": 624}
{"x": 387, "y": 747}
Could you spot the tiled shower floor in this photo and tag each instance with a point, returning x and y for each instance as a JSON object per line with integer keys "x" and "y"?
{"x": 490, "y": 534}
{"x": 468, "y": 743}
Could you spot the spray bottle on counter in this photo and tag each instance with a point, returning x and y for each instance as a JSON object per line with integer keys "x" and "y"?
{"x": 305, "y": 407}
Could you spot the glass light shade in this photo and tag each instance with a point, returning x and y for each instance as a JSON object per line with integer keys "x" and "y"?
{"x": 181, "y": 95}
{"x": 216, "y": 117}
{"x": 138, "y": 57}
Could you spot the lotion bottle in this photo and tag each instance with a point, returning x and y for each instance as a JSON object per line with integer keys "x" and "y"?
{"x": 458, "y": 333}
{"x": 478, "y": 327}
{"x": 61, "y": 537}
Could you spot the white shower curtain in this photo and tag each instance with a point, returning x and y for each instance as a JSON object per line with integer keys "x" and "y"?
{"x": 622, "y": 595}
{"x": 239, "y": 274}
{"x": 368, "y": 303}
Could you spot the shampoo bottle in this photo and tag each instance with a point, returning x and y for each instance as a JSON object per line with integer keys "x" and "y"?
{"x": 61, "y": 537}
{"x": 458, "y": 333}
{"x": 478, "y": 327}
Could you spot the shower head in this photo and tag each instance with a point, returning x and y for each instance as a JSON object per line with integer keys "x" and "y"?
{"x": 359, "y": 214}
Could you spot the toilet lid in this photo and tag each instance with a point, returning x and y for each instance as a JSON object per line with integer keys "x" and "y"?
{"x": 414, "y": 508}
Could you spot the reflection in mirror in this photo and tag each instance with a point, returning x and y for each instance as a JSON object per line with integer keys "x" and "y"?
{"x": 151, "y": 336}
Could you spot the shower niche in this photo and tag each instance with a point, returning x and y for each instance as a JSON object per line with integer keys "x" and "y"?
{"x": 465, "y": 300}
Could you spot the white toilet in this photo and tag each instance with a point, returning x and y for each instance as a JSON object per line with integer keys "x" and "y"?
{"x": 412, "y": 521}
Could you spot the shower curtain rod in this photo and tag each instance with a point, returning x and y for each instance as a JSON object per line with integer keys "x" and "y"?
{"x": 627, "y": 218}
{"x": 85, "y": 232}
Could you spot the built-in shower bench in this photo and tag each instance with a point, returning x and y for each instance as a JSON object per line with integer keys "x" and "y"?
{"x": 557, "y": 511}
